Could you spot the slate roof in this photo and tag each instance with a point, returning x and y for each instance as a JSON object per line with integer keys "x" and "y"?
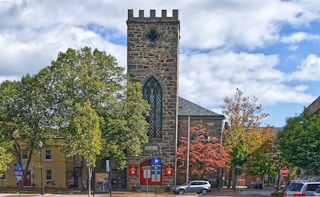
{"x": 186, "y": 108}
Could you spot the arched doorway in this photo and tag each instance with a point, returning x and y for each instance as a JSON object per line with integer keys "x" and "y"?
{"x": 146, "y": 178}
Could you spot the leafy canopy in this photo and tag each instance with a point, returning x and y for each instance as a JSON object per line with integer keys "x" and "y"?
{"x": 299, "y": 141}
{"x": 206, "y": 154}
{"x": 80, "y": 76}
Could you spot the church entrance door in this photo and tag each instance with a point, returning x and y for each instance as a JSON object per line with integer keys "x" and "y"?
{"x": 146, "y": 178}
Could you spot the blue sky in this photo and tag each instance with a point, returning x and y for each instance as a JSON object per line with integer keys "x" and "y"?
{"x": 269, "y": 48}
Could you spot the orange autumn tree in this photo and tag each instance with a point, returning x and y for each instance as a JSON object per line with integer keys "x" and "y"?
{"x": 243, "y": 133}
{"x": 206, "y": 154}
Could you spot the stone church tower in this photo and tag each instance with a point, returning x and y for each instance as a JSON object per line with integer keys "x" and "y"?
{"x": 153, "y": 52}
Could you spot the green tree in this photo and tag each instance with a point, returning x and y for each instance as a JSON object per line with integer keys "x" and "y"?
{"x": 24, "y": 113}
{"x": 5, "y": 155}
{"x": 78, "y": 76}
{"x": 85, "y": 136}
{"x": 241, "y": 132}
{"x": 206, "y": 155}
{"x": 45, "y": 106}
{"x": 299, "y": 141}
{"x": 7, "y": 95}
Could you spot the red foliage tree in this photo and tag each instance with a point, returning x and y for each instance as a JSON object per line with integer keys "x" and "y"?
{"x": 206, "y": 154}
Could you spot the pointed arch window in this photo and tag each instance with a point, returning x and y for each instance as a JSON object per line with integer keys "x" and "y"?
{"x": 153, "y": 94}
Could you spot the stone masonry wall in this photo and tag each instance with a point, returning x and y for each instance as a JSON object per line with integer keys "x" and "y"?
{"x": 156, "y": 56}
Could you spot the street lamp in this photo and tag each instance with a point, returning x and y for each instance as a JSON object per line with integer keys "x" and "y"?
{"x": 42, "y": 188}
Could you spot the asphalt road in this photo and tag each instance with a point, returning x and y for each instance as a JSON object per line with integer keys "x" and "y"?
{"x": 242, "y": 193}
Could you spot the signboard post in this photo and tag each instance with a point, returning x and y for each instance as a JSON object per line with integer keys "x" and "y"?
{"x": 156, "y": 170}
{"x": 18, "y": 173}
{"x": 156, "y": 167}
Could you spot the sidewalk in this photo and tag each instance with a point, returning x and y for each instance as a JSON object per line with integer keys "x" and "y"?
{"x": 62, "y": 193}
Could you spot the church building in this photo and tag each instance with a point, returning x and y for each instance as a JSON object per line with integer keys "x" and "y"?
{"x": 153, "y": 60}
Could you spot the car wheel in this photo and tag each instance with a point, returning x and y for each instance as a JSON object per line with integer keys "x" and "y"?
{"x": 204, "y": 191}
{"x": 181, "y": 191}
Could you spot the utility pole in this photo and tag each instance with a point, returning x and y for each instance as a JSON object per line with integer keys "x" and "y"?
{"x": 188, "y": 150}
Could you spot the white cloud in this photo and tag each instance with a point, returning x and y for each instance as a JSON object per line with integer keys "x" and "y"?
{"x": 299, "y": 37}
{"x": 220, "y": 73}
{"x": 308, "y": 70}
{"x": 249, "y": 24}
{"x": 208, "y": 78}
{"x": 29, "y": 50}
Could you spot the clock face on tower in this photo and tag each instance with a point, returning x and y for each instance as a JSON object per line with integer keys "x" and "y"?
{"x": 153, "y": 35}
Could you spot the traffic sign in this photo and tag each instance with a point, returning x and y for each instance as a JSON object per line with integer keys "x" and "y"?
{"x": 19, "y": 178}
{"x": 17, "y": 166}
{"x": 155, "y": 166}
{"x": 284, "y": 171}
{"x": 18, "y": 173}
{"x": 155, "y": 161}
{"x": 156, "y": 169}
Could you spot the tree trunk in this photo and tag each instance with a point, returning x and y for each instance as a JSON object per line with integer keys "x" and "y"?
{"x": 84, "y": 176}
{"x": 235, "y": 179}
{"x": 230, "y": 177}
{"x": 89, "y": 180}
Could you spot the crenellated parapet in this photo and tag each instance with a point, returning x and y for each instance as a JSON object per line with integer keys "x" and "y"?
{"x": 163, "y": 17}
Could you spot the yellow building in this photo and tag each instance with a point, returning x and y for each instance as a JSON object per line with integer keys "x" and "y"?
{"x": 58, "y": 170}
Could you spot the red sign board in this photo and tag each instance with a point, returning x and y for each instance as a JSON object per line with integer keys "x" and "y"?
{"x": 284, "y": 171}
{"x": 169, "y": 171}
{"x": 70, "y": 182}
{"x": 132, "y": 170}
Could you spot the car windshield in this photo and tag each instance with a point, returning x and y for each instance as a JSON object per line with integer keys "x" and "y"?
{"x": 318, "y": 190}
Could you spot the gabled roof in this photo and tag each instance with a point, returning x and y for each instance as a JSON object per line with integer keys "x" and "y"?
{"x": 187, "y": 108}
{"x": 314, "y": 107}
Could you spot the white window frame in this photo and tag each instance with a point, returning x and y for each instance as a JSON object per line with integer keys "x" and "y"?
{"x": 24, "y": 154}
{"x": 48, "y": 155}
{"x": 49, "y": 175}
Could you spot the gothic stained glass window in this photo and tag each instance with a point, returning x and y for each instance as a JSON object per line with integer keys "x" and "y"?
{"x": 153, "y": 94}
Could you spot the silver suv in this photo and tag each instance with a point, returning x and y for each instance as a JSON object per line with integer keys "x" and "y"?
{"x": 198, "y": 186}
{"x": 301, "y": 188}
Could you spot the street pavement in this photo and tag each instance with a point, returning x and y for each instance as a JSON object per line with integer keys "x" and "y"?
{"x": 215, "y": 193}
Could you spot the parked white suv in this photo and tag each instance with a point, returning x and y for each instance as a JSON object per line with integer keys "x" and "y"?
{"x": 198, "y": 186}
{"x": 301, "y": 188}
